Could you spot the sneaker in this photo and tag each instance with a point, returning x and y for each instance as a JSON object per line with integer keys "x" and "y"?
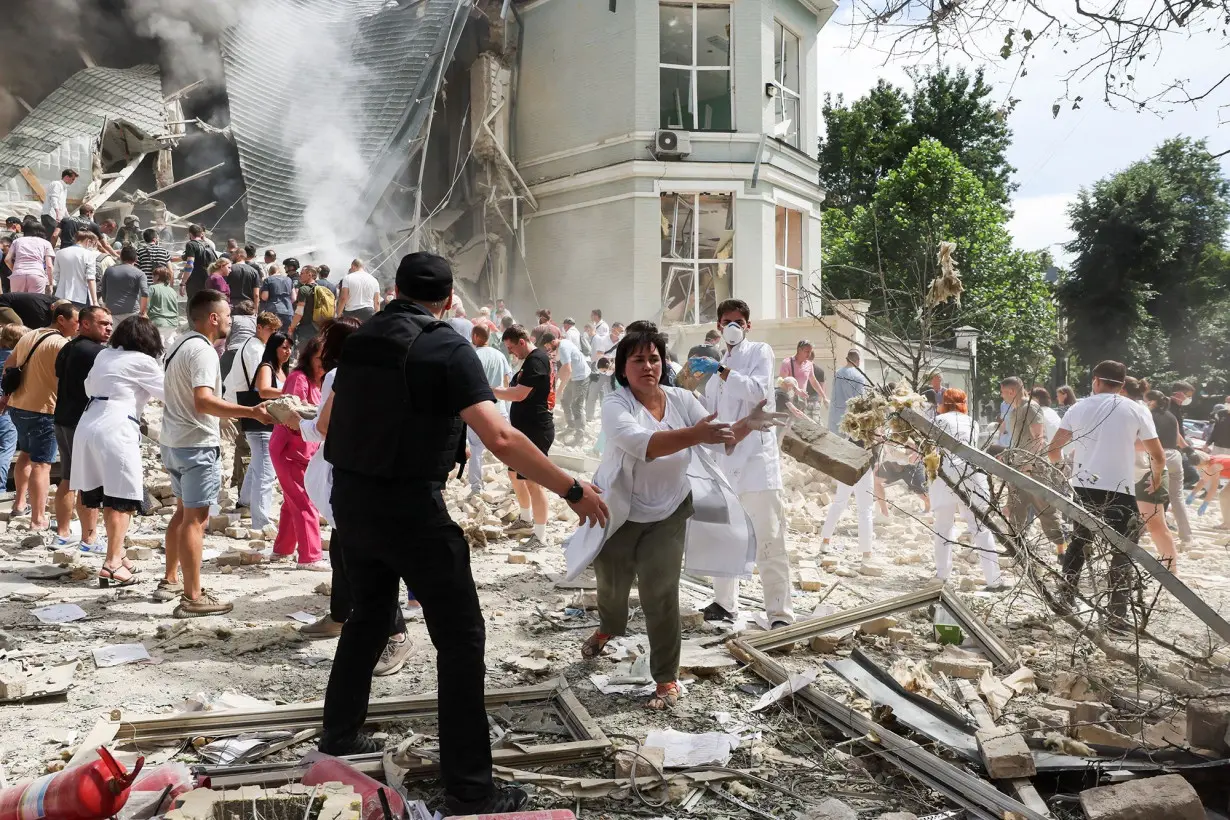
{"x": 167, "y": 591}
{"x": 394, "y": 656}
{"x": 201, "y": 607}
{"x": 532, "y": 544}
{"x": 276, "y": 558}
{"x": 325, "y": 627}
{"x": 778, "y": 624}
{"x": 317, "y": 566}
{"x": 99, "y": 547}
{"x": 716, "y": 612}
{"x": 520, "y": 525}
{"x": 504, "y": 800}
{"x": 360, "y": 744}
{"x": 60, "y": 542}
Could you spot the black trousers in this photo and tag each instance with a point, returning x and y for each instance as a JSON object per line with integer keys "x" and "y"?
{"x": 341, "y": 599}
{"x": 394, "y": 531}
{"x": 1119, "y": 511}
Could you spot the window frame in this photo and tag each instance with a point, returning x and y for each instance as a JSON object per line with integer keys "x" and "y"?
{"x": 695, "y": 68}
{"x": 695, "y": 262}
{"x": 778, "y": 82}
{"x": 783, "y": 273}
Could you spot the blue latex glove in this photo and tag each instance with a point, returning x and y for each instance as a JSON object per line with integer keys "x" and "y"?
{"x": 1203, "y": 508}
{"x": 703, "y": 364}
{"x": 1191, "y": 497}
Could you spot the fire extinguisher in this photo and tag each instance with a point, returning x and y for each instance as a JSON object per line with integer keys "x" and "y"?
{"x": 91, "y": 791}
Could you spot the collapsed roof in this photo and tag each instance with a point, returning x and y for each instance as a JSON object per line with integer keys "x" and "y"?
{"x": 327, "y": 98}
{"x": 67, "y": 127}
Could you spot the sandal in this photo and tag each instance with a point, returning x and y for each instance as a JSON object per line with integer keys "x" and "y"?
{"x": 594, "y": 645}
{"x": 666, "y": 696}
{"x": 130, "y": 566}
{"x": 108, "y": 576}
{"x": 19, "y": 513}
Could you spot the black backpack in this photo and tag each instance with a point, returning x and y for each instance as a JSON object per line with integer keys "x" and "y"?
{"x": 202, "y": 258}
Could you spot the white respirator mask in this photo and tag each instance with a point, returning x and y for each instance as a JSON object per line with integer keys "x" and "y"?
{"x": 732, "y": 334}
{"x": 1186, "y": 401}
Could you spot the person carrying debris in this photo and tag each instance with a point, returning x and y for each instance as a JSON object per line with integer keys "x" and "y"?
{"x": 532, "y": 393}
{"x": 660, "y": 508}
{"x": 407, "y": 386}
{"x": 1104, "y": 429}
{"x": 743, "y": 381}
{"x": 952, "y": 416}
{"x": 849, "y": 382}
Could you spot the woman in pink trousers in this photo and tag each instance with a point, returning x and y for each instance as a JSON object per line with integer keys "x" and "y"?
{"x": 299, "y": 522}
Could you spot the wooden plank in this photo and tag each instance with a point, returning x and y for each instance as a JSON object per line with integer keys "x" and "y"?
{"x": 34, "y": 184}
{"x": 803, "y": 630}
{"x": 1076, "y": 513}
{"x": 1023, "y": 787}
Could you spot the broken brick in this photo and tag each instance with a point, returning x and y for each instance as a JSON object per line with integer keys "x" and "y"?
{"x": 877, "y": 626}
{"x": 1005, "y": 753}
{"x": 956, "y": 663}
{"x": 1151, "y": 798}
{"x": 810, "y": 580}
{"x": 516, "y": 557}
{"x": 650, "y": 759}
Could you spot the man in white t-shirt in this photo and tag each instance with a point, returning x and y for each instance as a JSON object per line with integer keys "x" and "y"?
{"x": 573, "y": 375}
{"x": 76, "y": 271}
{"x": 358, "y": 293}
{"x": 190, "y": 443}
{"x": 602, "y": 347}
{"x": 1103, "y": 430}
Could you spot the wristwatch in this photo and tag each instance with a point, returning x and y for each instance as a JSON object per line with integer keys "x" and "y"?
{"x": 575, "y": 493}
{"x": 722, "y": 369}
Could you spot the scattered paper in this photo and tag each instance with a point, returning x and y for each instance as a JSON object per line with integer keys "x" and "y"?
{"x": 303, "y": 617}
{"x": 59, "y": 613}
{"x": 120, "y": 654}
{"x": 792, "y": 684}
{"x": 238, "y": 749}
{"x": 684, "y": 750}
{"x": 603, "y": 684}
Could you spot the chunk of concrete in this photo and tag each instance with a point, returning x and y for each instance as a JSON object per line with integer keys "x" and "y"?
{"x": 871, "y": 570}
{"x": 1005, "y": 753}
{"x": 140, "y": 553}
{"x": 829, "y": 808}
{"x": 13, "y": 681}
{"x": 1207, "y": 722}
{"x": 810, "y": 580}
{"x": 899, "y": 634}
{"x": 956, "y": 663}
{"x": 1058, "y": 704}
{"x": 1099, "y": 735}
{"x": 650, "y": 759}
{"x": 516, "y": 557}
{"x": 1090, "y": 711}
{"x": 809, "y": 443}
{"x": 694, "y": 619}
{"x": 1152, "y": 798}
{"x": 877, "y": 626}
{"x": 828, "y": 643}
{"x": 1051, "y": 718}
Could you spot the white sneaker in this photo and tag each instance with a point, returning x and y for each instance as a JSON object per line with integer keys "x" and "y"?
{"x": 317, "y": 566}
{"x": 394, "y": 656}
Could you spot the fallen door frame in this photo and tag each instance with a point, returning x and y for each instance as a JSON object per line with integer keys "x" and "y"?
{"x": 589, "y": 740}
{"x": 977, "y": 796}
{"x": 802, "y": 630}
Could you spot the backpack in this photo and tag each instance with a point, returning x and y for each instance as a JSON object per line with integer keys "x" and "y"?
{"x": 202, "y": 258}
{"x": 323, "y": 305}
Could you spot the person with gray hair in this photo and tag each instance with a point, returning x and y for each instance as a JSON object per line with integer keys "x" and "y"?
{"x": 848, "y": 383}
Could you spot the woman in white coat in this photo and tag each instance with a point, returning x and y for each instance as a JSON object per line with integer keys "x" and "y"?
{"x": 107, "y": 447}
{"x": 952, "y": 418}
{"x": 661, "y": 500}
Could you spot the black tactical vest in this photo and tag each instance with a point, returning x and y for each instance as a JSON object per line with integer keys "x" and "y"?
{"x": 374, "y": 429}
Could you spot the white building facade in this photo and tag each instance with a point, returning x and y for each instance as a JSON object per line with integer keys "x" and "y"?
{"x": 647, "y": 233}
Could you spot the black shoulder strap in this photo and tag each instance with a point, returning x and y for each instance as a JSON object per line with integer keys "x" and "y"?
{"x": 167, "y": 364}
{"x": 41, "y": 339}
{"x": 244, "y": 364}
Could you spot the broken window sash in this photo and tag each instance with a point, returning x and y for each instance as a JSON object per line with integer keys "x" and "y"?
{"x": 787, "y": 106}
{"x": 788, "y": 263}
{"x": 696, "y": 91}
{"x": 697, "y": 242}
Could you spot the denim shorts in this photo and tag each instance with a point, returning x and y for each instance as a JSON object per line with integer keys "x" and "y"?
{"x": 36, "y": 435}
{"x": 196, "y": 474}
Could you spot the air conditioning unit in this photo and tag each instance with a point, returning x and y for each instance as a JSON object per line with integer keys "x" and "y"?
{"x": 671, "y": 144}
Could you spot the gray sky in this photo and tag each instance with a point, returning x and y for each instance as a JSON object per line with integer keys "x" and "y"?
{"x": 1054, "y": 157}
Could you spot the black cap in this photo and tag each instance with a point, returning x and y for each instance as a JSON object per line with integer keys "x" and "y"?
{"x": 425, "y": 277}
{"x": 291, "y": 263}
{"x": 12, "y": 220}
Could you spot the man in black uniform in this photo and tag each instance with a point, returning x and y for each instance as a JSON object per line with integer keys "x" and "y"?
{"x": 30, "y": 309}
{"x": 406, "y": 387}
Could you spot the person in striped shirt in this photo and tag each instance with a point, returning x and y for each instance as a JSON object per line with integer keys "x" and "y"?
{"x": 152, "y": 255}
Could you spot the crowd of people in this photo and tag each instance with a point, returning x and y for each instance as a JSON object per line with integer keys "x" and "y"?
{"x": 409, "y": 388}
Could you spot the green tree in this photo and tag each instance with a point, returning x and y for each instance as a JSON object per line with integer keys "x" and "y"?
{"x": 887, "y": 252}
{"x": 1150, "y": 274}
{"x": 867, "y": 139}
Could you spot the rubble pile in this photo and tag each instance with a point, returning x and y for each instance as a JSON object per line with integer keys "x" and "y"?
{"x": 890, "y": 697}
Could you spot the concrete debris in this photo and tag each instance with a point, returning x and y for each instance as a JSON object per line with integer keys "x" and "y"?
{"x": 1005, "y": 753}
{"x": 1170, "y": 797}
{"x": 833, "y": 455}
{"x": 1099, "y": 735}
{"x": 140, "y": 554}
{"x": 898, "y": 815}
{"x": 324, "y": 588}
{"x": 526, "y": 663}
{"x": 516, "y": 557}
{"x": 648, "y": 760}
{"x": 1207, "y": 722}
{"x": 877, "y": 626}
{"x": 828, "y": 643}
{"x": 829, "y": 808}
{"x": 957, "y": 663}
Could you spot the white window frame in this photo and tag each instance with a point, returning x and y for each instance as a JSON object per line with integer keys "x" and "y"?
{"x": 694, "y": 69}
{"x": 783, "y": 272}
{"x": 779, "y": 77}
{"x": 694, "y": 262}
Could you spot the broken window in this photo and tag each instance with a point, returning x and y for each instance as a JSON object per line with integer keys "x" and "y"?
{"x": 694, "y": 72}
{"x": 787, "y": 107}
{"x": 788, "y": 263}
{"x": 697, "y": 246}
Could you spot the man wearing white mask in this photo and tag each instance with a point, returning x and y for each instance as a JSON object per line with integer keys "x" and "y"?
{"x": 849, "y": 382}
{"x": 744, "y": 379}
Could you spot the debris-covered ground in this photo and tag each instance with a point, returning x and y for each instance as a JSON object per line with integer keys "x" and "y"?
{"x": 60, "y": 627}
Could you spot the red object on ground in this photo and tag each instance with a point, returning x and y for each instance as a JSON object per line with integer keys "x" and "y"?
{"x": 326, "y": 769}
{"x": 91, "y": 791}
{"x": 176, "y": 775}
{"x": 553, "y": 814}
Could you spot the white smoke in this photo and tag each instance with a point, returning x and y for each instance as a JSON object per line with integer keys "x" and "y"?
{"x": 188, "y": 31}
